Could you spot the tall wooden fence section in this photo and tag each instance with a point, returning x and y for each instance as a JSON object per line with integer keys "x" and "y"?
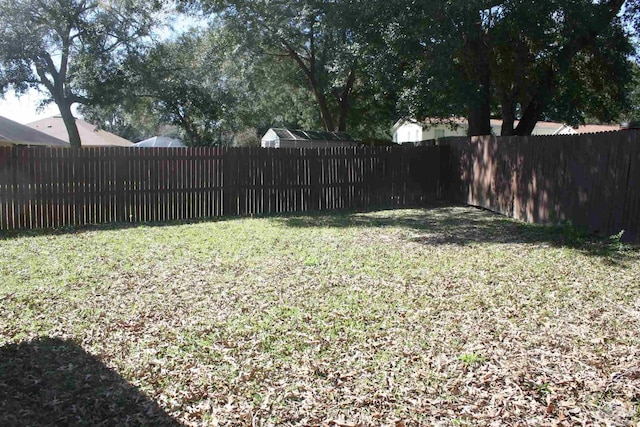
{"x": 49, "y": 187}
{"x": 591, "y": 180}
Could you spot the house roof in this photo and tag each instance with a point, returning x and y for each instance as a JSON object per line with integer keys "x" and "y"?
{"x": 546, "y": 128}
{"x": 90, "y": 135}
{"x": 596, "y": 128}
{"x": 309, "y": 135}
{"x": 15, "y": 133}
{"x": 431, "y": 121}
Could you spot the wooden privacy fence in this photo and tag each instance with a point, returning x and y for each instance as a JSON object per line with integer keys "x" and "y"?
{"x": 591, "y": 180}
{"x": 52, "y": 187}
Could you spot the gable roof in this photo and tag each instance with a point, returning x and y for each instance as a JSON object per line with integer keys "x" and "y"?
{"x": 16, "y": 133}
{"x": 90, "y": 135}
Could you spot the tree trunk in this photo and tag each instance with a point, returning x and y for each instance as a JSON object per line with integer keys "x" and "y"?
{"x": 479, "y": 120}
{"x": 309, "y": 71}
{"x": 478, "y": 71}
{"x": 344, "y": 111}
{"x": 344, "y": 99}
{"x": 508, "y": 115}
{"x": 480, "y": 107}
{"x": 530, "y": 117}
{"x": 325, "y": 112}
{"x": 536, "y": 107}
{"x": 69, "y": 123}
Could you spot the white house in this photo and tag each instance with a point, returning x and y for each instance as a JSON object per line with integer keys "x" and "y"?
{"x": 410, "y": 130}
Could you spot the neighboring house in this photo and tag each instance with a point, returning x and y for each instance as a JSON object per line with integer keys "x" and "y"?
{"x": 159, "y": 141}
{"x": 293, "y": 138}
{"x": 13, "y": 133}
{"x": 90, "y": 135}
{"x": 410, "y": 130}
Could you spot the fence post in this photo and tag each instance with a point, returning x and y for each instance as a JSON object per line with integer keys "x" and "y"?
{"x": 315, "y": 175}
{"x": 12, "y": 208}
{"x": 121, "y": 185}
{"x": 230, "y": 196}
{"x": 444, "y": 152}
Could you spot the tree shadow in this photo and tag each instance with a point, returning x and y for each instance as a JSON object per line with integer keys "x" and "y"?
{"x": 75, "y": 229}
{"x": 51, "y": 381}
{"x": 452, "y": 224}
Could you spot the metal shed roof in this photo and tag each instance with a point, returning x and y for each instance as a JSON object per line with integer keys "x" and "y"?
{"x": 310, "y": 135}
{"x": 159, "y": 141}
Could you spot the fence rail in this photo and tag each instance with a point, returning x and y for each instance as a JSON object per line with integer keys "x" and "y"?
{"x": 591, "y": 180}
{"x": 48, "y": 187}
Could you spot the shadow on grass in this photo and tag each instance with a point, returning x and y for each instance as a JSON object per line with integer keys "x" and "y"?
{"x": 22, "y": 233}
{"x": 439, "y": 223}
{"x": 55, "y": 382}
{"x": 462, "y": 225}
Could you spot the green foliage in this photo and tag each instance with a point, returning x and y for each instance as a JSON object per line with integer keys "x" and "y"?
{"x": 69, "y": 48}
{"x": 177, "y": 84}
{"x": 135, "y": 121}
{"x": 333, "y": 65}
{"x": 247, "y": 138}
{"x": 267, "y": 91}
{"x": 182, "y": 84}
{"x": 632, "y": 112}
{"x": 562, "y": 60}
{"x": 471, "y": 359}
{"x": 319, "y": 43}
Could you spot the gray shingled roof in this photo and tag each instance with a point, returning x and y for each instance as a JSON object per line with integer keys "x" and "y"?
{"x": 17, "y": 133}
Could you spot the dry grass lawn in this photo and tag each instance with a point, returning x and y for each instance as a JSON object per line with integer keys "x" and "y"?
{"x": 445, "y": 316}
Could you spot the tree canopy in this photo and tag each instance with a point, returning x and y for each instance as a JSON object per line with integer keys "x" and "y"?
{"x": 316, "y": 36}
{"x": 561, "y": 59}
{"x": 338, "y": 65}
{"x": 68, "y": 48}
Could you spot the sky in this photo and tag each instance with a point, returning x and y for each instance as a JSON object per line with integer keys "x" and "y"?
{"x": 23, "y": 109}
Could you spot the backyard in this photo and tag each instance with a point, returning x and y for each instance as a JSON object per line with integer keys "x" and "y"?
{"x": 445, "y": 315}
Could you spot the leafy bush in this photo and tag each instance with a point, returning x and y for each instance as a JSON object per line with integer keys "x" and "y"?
{"x": 247, "y": 138}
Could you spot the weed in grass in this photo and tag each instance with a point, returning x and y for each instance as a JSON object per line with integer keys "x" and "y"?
{"x": 471, "y": 359}
{"x": 312, "y": 261}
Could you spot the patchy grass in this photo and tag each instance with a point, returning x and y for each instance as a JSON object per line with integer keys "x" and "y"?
{"x": 442, "y": 316}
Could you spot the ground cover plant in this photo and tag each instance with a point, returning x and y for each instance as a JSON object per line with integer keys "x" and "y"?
{"x": 440, "y": 316}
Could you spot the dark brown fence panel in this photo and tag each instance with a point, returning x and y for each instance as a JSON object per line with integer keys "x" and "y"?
{"x": 45, "y": 187}
{"x": 591, "y": 180}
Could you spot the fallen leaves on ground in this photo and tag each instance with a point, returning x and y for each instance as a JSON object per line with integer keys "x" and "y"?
{"x": 442, "y": 316}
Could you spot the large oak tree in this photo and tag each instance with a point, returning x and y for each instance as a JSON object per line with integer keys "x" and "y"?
{"x": 69, "y": 48}
{"x": 317, "y": 36}
{"x": 555, "y": 59}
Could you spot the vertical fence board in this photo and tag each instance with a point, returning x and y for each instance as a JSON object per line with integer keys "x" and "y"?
{"x": 46, "y": 187}
{"x": 591, "y": 180}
